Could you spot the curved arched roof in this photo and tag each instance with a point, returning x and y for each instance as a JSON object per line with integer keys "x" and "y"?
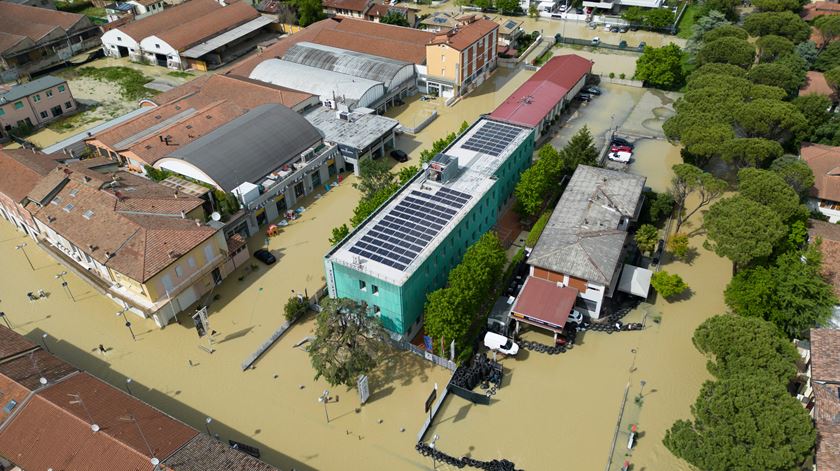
{"x": 381, "y": 69}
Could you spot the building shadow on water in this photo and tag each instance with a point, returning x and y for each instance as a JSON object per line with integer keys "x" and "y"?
{"x": 99, "y": 367}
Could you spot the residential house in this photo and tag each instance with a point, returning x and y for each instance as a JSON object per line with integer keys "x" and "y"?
{"x": 828, "y": 236}
{"x": 33, "y": 39}
{"x": 282, "y": 14}
{"x": 200, "y": 34}
{"x": 20, "y": 171}
{"x": 136, "y": 9}
{"x": 346, "y": 8}
{"x": 816, "y": 84}
{"x": 462, "y": 58}
{"x": 825, "y": 381}
{"x": 377, "y": 11}
{"x": 33, "y": 104}
{"x": 142, "y": 243}
{"x": 583, "y": 244}
{"x": 439, "y": 22}
{"x": 406, "y": 248}
{"x": 813, "y": 10}
{"x": 34, "y": 3}
{"x": 92, "y": 425}
{"x": 825, "y": 163}
{"x": 509, "y": 30}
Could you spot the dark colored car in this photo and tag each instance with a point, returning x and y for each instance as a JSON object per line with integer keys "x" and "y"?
{"x": 399, "y": 155}
{"x": 614, "y": 29}
{"x": 622, "y": 29}
{"x": 264, "y": 256}
{"x": 620, "y": 141}
{"x": 657, "y": 255}
{"x": 579, "y": 11}
{"x": 592, "y": 90}
{"x": 584, "y": 97}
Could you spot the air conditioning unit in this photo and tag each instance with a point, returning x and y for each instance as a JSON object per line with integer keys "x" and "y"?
{"x": 344, "y": 115}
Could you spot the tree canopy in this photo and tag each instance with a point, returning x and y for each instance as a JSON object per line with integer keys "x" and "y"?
{"x": 770, "y": 119}
{"x": 394, "y": 18}
{"x": 347, "y": 343}
{"x": 688, "y": 180}
{"x": 661, "y": 67}
{"x": 785, "y": 23}
{"x": 743, "y": 423}
{"x": 727, "y": 50}
{"x": 668, "y": 285}
{"x": 750, "y": 152}
{"x": 375, "y": 175}
{"x": 790, "y": 293}
{"x": 742, "y": 230}
{"x": 777, "y": 5}
{"x": 829, "y": 28}
{"x": 308, "y": 11}
{"x": 646, "y": 237}
{"x": 772, "y": 47}
{"x": 725, "y": 31}
{"x": 795, "y": 172}
{"x": 579, "y": 151}
{"x": 741, "y": 345}
{"x": 828, "y": 58}
{"x": 771, "y": 190}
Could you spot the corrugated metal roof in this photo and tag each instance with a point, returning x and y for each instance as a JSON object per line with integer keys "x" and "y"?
{"x": 324, "y": 83}
{"x": 77, "y": 138}
{"x": 25, "y": 89}
{"x": 227, "y": 37}
{"x": 358, "y": 64}
{"x": 251, "y": 146}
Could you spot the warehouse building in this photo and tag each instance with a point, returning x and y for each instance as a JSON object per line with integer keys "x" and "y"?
{"x": 407, "y": 247}
{"x": 359, "y": 135}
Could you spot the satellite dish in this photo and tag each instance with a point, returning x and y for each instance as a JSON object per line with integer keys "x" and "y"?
{"x": 216, "y": 216}
{"x": 155, "y": 461}
{"x": 43, "y": 380}
{"x": 95, "y": 428}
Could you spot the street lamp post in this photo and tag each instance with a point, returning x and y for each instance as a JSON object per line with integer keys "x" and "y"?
{"x": 127, "y": 323}
{"x": 432, "y": 446}
{"x": 64, "y": 284}
{"x": 5, "y": 319}
{"x": 22, "y": 248}
{"x": 44, "y": 342}
{"x": 128, "y": 386}
{"x": 207, "y": 422}
{"x": 324, "y": 398}
{"x": 642, "y": 390}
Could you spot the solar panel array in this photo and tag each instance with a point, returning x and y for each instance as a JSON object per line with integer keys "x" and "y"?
{"x": 409, "y": 227}
{"x": 492, "y": 138}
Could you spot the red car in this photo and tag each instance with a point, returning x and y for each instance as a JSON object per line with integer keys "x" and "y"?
{"x": 621, "y": 149}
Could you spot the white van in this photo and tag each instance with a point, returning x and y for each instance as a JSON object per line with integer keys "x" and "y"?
{"x": 500, "y": 343}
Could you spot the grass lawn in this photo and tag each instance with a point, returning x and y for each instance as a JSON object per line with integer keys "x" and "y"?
{"x": 73, "y": 122}
{"x": 179, "y": 74}
{"x": 131, "y": 82}
{"x": 687, "y": 21}
{"x": 544, "y": 58}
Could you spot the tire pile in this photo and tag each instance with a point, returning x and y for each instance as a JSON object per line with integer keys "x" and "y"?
{"x": 494, "y": 465}
{"x": 542, "y": 348}
{"x": 480, "y": 370}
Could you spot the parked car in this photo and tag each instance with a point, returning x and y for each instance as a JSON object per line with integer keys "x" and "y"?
{"x": 642, "y": 45}
{"x": 575, "y": 317}
{"x": 622, "y": 157}
{"x": 264, "y": 256}
{"x": 579, "y": 11}
{"x": 622, "y": 29}
{"x": 620, "y": 141}
{"x": 593, "y": 25}
{"x": 616, "y": 148}
{"x": 614, "y": 29}
{"x": 584, "y": 97}
{"x": 592, "y": 90}
{"x": 500, "y": 343}
{"x": 657, "y": 254}
{"x": 399, "y": 155}
{"x": 596, "y": 40}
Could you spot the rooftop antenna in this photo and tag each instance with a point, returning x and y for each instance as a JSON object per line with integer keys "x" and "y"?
{"x": 131, "y": 418}
{"x": 78, "y": 400}
{"x": 42, "y": 379}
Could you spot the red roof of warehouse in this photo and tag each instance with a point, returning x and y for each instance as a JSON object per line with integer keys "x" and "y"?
{"x": 533, "y": 100}
{"x": 545, "y": 302}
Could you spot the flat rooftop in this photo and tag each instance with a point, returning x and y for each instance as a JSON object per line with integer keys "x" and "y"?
{"x": 392, "y": 243}
{"x": 358, "y": 131}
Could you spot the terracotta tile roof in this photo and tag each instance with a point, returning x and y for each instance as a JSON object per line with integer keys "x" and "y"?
{"x": 35, "y": 22}
{"x": 828, "y": 447}
{"x": 825, "y": 354}
{"x": 815, "y": 84}
{"x": 825, "y": 163}
{"x": 119, "y": 232}
{"x": 169, "y": 18}
{"x": 393, "y": 42}
{"x": 543, "y": 300}
{"x": 12, "y": 396}
{"x": 825, "y": 367}
{"x": 126, "y": 425}
{"x": 12, "y": 343}
{"x": 28, "y": 369}
{"x": 352, "y": 5}
{"x": 463, "y": 37}
{"x": 202, "y": 28}
{"x": 203, "y": 453}
{"x": 830, "y": 248}
{"x": 21, "y": 171}
{"x": 234, "y": 242}
{"x": 378, "y": 10}
{"x": 9, "y": 40}
{"x": 817, "y": 9}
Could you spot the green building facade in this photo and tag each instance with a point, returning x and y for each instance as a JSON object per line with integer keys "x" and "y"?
{"x": 395, "y": 291}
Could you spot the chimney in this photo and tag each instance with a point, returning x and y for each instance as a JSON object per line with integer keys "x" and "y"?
{"x": 161, "y": 138}
{"x": 107, "y": 254}
{"x": 183, "y": 215}
{"x": 172, "y": 254}
{"x": 197, "y": 223}
{"x": 176, "y": 193}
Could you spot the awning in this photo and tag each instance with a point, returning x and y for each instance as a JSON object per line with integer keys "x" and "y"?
{"x": 226, "y": 38}
{"x": 635, "y": 281}
{"x": 544, "y": 304}
{"x": 604, "y": 5}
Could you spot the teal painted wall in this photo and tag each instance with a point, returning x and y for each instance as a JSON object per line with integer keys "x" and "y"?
{"x": 401, "y": 308}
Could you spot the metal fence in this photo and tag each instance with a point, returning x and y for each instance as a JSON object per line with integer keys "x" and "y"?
{"x": 440, "y": 361}
{"x": 601, "y": 44}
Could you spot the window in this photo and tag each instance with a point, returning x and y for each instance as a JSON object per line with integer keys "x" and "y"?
{"x": 68, "y": 105}
{"x": 178, "y": 271}
{"x": 119, "y": 38}
{"x": 362, "y": 285}
{"x": 18, "y": 105}
{"x": 61, "y": 88}
{"x": 69, "y": 207}
{"x": 45, "y": 115}
{"x": 37, "y": 98}
{"x": 208, "y": 252}
{"x": 191, "y": 262}
{"x": 374, "y": 289}
{"x": 157, "y": 46}
{"x": 377, "y": 311}
{"x": 49, "y": 93}
{"x": 74, "y": 192}
{"x": 88, "y": 214}
{"x": 2, "y": 111}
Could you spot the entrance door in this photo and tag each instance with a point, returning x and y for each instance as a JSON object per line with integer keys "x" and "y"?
{"x": 217, "y": 276}
{"x": 57, "y": 111}
{"x": 123, "y": 51}
{"x": 160, "y": 59}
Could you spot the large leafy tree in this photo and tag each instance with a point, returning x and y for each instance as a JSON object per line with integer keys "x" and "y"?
{"x": 771, "y": 190}
{"x": 507, "y": 7}
{"x": 659, "y": 18}
{"x": 668, "y": 285}
{"x": 689, "y": 180}
{"x": 743, "y": 423}
{"x": 705, "y": 23}
{"x": 367, "y": 206}
{"x": 815, "y": 109}
{"x": 742, "y": 230}
{"x": 770, "y": 119}
{"x": 725, "y": 8}
{"x": 737, "y": 344}
{"x": 579, "y": 151}
{"x": 750, "y": 152}
{"x": 777, "y": 5}
{"x": 308, "y": 11}
{"x": 772, "y": 47}
{"x": 716, "y": 68}
{"x": 829, "y": 28}
{"x": 790, "y": 293}
{"x": 786, "y": 24}
{"x": 807, "y": 51}
{"x": 795, "y": 173}
{"x": 347, "y": 343}
{"x": 394, "y": 18}
{"x": 777, "y": 75}
{"x": 374, "y": 176}
{"x": 661, "y": 67}
{"x": 727, "y": 50}
{"x": 646, "y": 237}
{"x": 725, "y": 31}
{"x": 828, "y": 58}
{"x": 537, "y": 181}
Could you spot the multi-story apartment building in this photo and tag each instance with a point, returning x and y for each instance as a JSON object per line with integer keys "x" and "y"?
{"x": 460, "y": 59}
{"x": 33, "y": 104}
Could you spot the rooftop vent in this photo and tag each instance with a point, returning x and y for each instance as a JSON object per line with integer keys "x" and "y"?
{"x": 87, "y": 215}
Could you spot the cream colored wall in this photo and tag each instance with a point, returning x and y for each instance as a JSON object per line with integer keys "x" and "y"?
{"x": 32, "y": 109}
{"x": 441, "y": 61}
{"x": 155, "y": 286}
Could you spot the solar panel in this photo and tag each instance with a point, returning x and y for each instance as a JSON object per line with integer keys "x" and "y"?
{"x": 492, "y": 138}
{"x": 404, "y": 232}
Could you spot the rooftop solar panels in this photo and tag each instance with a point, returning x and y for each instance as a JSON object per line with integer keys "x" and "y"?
{"x": 409, "y": 227}
{"x": 492, "y": 138}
